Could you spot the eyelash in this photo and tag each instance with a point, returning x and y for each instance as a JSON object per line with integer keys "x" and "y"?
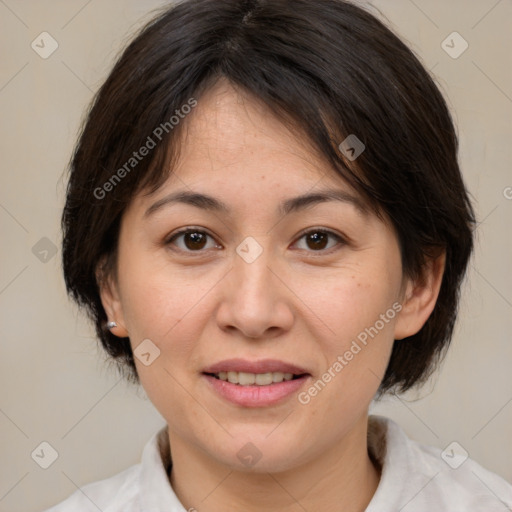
{"x": 341, "y": 241}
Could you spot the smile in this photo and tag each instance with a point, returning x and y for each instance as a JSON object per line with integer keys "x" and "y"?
{"x": 255, "y": 383}
{"x": 258, "y": 379}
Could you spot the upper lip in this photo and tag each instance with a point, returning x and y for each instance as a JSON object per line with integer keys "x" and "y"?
{"x": 262, "y": 366}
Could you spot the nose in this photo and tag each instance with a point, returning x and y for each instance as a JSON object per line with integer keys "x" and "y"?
{"x": 255, "y": 299}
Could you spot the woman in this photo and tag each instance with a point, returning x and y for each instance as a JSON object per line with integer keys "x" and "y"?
{"x": 267, "y": 223}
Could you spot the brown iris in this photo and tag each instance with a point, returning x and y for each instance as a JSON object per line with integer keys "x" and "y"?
{"x": 194, "y": 240}
{"x": 319, "y": 240}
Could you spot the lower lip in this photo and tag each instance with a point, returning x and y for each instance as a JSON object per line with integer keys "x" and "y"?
{"x": 256, "y": 396}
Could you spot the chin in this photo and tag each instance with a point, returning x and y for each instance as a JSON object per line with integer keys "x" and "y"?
{"x": 255, "y": 452}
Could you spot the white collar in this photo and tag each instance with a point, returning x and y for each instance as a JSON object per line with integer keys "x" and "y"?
{"x": 414, "y": 477}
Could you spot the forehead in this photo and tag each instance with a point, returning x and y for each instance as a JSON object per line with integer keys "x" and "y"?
{"x": 231, "y": 135}
{"x": 236, "y": 152}
{"x": 238, "y": 160}
{"x": 229, "y": 125}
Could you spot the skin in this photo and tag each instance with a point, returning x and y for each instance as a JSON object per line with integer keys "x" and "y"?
{"x": 200, "y": 304}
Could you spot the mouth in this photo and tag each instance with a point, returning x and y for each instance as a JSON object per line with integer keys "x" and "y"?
{"x": 255, "y": 379}
{"x": 255, "y": 383}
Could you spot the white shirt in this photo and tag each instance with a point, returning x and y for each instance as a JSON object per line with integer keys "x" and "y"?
{"x": 414, "y": 478}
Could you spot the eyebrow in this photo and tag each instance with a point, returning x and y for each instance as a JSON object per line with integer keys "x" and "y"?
{"x": 295, "y": 204}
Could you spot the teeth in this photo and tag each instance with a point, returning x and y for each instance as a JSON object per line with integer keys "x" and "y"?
{"x": 246, "y": 379}
{"x": 277, "y": 377}
{"x": 232, "y": 377}
{"x": 264, "y": 379}
{"x": 251, "y": 379}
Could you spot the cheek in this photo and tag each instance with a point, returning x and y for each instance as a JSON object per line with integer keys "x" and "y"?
{"x": 157, "y": 300}
{"x": 352, "y": 300}
{"x": 358, "y": 310}
{"x": 167, "y": 308}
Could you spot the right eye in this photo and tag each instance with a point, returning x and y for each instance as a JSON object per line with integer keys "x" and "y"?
{"x": 192, "y": 240}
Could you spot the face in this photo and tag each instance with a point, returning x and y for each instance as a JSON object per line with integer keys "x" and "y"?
{"x": 260, "y": 283}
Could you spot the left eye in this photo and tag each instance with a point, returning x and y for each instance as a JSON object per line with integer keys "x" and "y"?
{"x": 195, "y": 240}
{"x": 318, "y": 239}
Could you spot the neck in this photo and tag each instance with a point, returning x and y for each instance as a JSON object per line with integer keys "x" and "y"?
{"x": 342, "y": 477}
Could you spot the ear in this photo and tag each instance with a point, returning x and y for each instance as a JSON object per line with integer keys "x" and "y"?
{"x": 420, "y": 297}
{"x": 110, "y": 298}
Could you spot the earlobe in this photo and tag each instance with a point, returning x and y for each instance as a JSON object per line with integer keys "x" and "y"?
{"x": 111, "y": 302}
{"x": 420, "y": 298}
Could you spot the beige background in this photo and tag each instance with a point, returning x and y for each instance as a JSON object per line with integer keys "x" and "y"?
{"x": 55, "y": 385}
